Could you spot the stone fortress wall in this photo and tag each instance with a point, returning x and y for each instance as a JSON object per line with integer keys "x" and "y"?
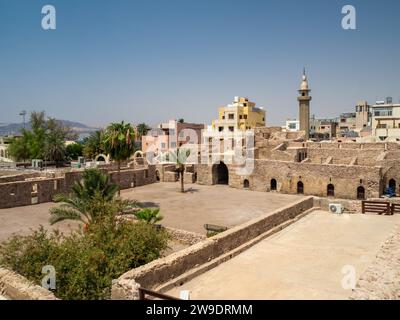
{"x": 33, "y": 188}
{"x": 287, "y": 164}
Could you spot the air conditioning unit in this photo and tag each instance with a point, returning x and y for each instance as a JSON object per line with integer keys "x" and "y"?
{"x": 336, "y": 208}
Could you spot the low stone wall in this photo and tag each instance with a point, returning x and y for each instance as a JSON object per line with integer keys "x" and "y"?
{"x": 184, "y": 236}
{"x": 349, "y": 206}
{"x": 381, "y": 280}
{"x": 16, "y": 287}
{"x": 165, "y": 269}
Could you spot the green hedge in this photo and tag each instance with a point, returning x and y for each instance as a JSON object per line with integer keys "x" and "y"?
{"x": 85, "y": 262}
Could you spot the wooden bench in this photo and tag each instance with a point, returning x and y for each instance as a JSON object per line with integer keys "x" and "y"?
{"x": 214, "y": 228}
{"x": 395, "y": 208}
{"x": 379, "y": 207}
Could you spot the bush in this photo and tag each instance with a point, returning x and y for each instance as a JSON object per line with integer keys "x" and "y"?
{"x": 85, "y": 262}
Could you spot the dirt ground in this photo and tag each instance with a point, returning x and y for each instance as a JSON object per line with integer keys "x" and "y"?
{"x": 219, "y": 205}
{"x": 307, "y": 260}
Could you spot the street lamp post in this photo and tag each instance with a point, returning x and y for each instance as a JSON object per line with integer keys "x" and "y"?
{"x": 23, "y": 114}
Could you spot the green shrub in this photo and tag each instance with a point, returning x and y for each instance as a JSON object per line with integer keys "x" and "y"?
{"x": 85, "y": 262}
{"x": 149, "y": 215}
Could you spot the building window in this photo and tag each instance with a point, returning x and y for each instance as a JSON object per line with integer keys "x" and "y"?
{"x": 231, "y": 129}
{"x": 220, "y": 129}
{"x": 379, "y": 112}
{"x": 163, "y": 145}
{"x": 231, "y": 116}
{"x": 240, "y": 117}
{"x": 360, "y": 193}
{"x": 223, "y": 117}
{"x": 300, "y": 187}
{"x": 246, "y": 184}
{"x": 330, "y": 190}
{"x": 173, "y": 144}
{"x": 245, "y": 116}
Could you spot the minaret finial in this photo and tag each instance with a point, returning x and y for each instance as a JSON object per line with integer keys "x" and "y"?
{"x": 304, "y": 71}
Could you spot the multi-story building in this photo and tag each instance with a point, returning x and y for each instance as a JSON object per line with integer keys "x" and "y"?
{"x": 322, "y": 129}
{"x": 242, "y": 114}
{"x": 363, "y": 115}
{"x": 347, "y": 124}
{"x": 386, "y": 121}
{"x": 171, "y": 135}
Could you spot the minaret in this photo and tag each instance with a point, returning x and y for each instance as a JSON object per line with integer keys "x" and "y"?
{"x": 304, "y": 105}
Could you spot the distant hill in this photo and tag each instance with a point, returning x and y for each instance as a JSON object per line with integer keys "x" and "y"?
{"x": 15, "y": 128}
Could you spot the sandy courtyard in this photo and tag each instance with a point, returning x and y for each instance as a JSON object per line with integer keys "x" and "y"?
{"x": 304, "y": 261}
{"x": 219, "y": 205}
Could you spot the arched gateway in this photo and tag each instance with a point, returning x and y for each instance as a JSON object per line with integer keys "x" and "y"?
{"x": 221, "y": 173}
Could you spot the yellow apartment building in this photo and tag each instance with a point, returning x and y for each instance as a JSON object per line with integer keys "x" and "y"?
{"x": 242, "y": 114}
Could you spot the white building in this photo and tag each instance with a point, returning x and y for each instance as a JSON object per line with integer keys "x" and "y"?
{"x": 292, "y": 125}
{"x": 386, "y": 121}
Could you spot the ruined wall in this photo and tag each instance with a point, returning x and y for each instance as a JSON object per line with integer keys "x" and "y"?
{"x": 346, "y": 179}
{"x": 16, "y": 287}
{"x": 19, "y": 177}
{"x": 40, "y": 190}
{"x": 134, "y": 178}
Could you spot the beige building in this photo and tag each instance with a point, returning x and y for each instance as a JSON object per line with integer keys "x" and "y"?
{"x": 363, "y": 115}
{"x": 171, "y": 135}
{"x": 242, "y": 114}
{"x": 4, "y": 156}
{"x": 386, "y": 121}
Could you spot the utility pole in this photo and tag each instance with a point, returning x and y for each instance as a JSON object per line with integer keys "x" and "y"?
{"x": 23, "y": 114}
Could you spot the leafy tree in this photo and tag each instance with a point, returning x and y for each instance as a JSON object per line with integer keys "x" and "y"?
{"x": 18, "y": 147}
{"x": 181, "y": 120}
{"x": 93, "y": 145}
{"x": 85, "y": 263}
{"x": 179, "y": 157}
{"x": 119, "y": 143}
{"x": 45, "y": 140}
{"x": 88, "y": 201}
{"x": 149, "y": 215}
{"x": 74, "y": 150}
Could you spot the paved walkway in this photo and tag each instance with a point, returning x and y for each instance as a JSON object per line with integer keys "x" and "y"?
{"x": 304, "y": 261}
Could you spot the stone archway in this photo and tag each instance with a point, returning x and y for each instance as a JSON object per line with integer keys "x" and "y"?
{"x": 393, "y": 185}
{"x": 300, "y": 187}
{"x": 274, "y": 185}
{"x": 360, "y": 193}
{"x": 221, "y": 173}
{"x": 103, "y": 158}
{"x": 330, "y": 190}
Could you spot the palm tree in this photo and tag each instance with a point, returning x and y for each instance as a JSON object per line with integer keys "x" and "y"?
{"x": 88, "y": 199}
{"x": 142, "y": 130}
{"x": 93, "y": 145}
{"x": 119, "y": 143}
{"x": 180, "y": 157}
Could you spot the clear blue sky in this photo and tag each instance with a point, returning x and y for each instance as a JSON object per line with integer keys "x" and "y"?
{"x": 155, "y": 60}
